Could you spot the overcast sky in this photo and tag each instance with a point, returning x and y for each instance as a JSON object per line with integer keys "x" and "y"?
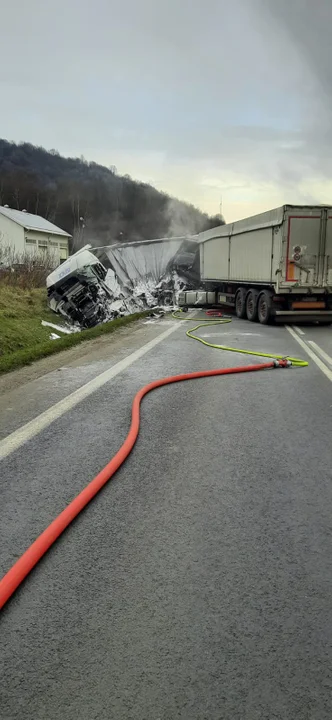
{"x": 203, "y": 98}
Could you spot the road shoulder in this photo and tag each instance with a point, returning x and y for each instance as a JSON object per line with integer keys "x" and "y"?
{"x": 29, "y": 391}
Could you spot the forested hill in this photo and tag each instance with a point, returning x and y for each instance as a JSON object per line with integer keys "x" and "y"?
{"x": 90, "y": 201}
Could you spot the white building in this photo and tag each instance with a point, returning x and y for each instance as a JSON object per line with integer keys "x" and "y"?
{"x": 24, "y": 232}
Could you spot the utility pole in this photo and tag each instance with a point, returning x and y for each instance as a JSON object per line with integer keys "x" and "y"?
{"x": 81, "y": 230}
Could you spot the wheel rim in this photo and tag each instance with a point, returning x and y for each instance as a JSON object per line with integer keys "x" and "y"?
{"x": 250, "y": 305}
{"x": 239, "y": 304}
{"x": 263, "y": 308}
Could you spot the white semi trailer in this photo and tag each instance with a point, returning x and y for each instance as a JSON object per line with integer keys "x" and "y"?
{"x": 276, "y": 265}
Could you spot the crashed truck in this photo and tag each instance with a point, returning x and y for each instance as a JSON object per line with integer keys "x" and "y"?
{"x": 275, "y": 266}
{"x": 99, "y": 284}
{"x": 272, "y": 267}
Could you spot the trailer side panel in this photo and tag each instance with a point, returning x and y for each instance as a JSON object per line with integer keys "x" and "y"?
{"x": 251, "y": 255}
{"x": 215, "y": 258}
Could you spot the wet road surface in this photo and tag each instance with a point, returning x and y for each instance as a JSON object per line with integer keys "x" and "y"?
{"x": 198, "y": 583}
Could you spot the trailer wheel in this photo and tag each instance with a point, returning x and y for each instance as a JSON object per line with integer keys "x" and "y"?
{"x": 240, "y": 304}
{"x": 264, "y": 308}
{"x": 252, "y": 305}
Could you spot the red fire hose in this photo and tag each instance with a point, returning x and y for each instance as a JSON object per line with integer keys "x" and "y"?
{"x": 215, "y": 313}
{"x": 18, "y": 572}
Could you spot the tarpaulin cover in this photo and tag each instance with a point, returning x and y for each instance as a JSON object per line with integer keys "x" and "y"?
{"x": 133, "y": 262}
{"x": 139, "y": 275}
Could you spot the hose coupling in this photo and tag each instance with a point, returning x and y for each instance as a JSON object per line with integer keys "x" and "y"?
{"x": 283, "y": 363}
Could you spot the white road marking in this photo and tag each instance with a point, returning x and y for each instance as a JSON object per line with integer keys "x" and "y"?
{"x": 159, "y": 322}
{"x": 321, "y": 352}
{"x": 310, "y": 352}
{"x": 17, "y": 438}
{"x": 298, "y": 330}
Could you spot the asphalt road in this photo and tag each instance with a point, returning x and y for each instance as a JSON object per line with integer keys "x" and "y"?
{"x": 198, "y": 584}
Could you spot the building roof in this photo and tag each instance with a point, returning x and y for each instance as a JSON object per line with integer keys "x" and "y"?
{"x": 32, "y": 222}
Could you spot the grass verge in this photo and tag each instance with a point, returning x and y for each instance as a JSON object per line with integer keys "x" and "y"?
{"x": 22, "y": 337}
{"x": 21, "y": 314}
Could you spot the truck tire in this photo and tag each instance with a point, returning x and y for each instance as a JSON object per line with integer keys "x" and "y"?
{"x": 240, "y": 304}
{"x": 264, "y": 308}
{"x": 252, "y": 305}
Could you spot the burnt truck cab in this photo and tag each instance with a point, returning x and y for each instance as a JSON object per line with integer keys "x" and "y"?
{"x": 77, "y": 290}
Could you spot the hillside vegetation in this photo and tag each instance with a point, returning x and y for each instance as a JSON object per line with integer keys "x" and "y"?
{"x": 91, "y": 202}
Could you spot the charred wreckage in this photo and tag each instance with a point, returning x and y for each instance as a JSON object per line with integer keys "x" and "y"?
{"x": 97, "y": 285}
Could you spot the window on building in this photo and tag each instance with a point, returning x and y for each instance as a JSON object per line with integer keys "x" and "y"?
{"x": 63, "y": 251}
{"x": 30, "y": 241}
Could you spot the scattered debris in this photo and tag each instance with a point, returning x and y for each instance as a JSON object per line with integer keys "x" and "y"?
{"x": 93, "y": 287}
{"x": 66, "y": 329}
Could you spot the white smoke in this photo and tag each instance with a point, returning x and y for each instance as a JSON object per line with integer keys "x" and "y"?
{"x": 183, "y": 219}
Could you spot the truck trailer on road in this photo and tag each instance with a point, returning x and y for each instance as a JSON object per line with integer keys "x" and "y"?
{"x": 273, "y": 266}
